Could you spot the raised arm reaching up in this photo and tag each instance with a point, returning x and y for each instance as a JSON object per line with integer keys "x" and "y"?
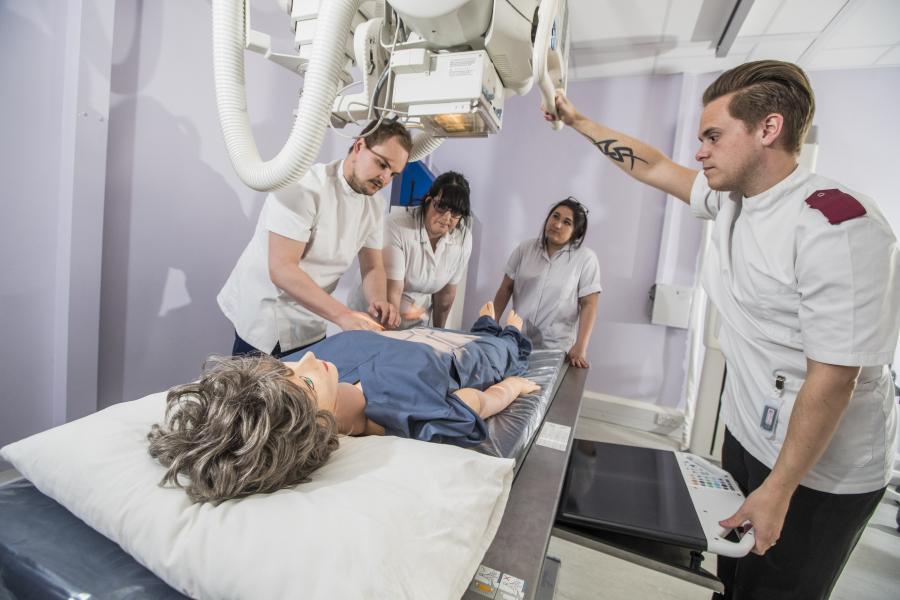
{"x": 642, "y": 161}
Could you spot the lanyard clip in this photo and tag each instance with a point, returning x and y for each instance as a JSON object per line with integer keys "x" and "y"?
{"x": 779, "y": 384}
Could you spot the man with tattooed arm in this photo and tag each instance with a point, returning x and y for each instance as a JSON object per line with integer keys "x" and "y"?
{"x": 806, "y": 276}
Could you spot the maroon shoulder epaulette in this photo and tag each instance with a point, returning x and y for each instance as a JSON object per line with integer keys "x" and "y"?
{"x": 836, "y": 205}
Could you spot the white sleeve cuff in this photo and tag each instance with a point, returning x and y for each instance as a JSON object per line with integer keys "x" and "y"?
{"x": 850, "y": 359}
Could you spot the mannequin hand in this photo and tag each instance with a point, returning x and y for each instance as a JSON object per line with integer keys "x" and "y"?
{"x": 765, "y": 509}
{"x": 386, "y": 313}
{"x": 521, "y": 386}
{"x": 577, "y": 357}
{"x": 352, "y": 319}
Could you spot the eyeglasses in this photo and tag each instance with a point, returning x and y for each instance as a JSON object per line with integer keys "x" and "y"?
{"x": 381, "y": 160}
{"x": 584, "y": 208}
{"x": 443, "y": 211}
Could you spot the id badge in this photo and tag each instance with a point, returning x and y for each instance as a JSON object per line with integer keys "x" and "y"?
{"x": 769, "y": 419}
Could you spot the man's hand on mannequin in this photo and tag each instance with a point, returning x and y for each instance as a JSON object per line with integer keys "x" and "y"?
{"x": 352, "y": 320}
{"x": 386, "y": 313}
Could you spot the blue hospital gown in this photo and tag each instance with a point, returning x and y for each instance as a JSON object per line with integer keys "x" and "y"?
{"x": 410, "y": 385}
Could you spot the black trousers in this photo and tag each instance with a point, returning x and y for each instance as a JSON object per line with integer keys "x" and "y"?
{"x": 819, "y": 533}
{"x": 242, "y": 347}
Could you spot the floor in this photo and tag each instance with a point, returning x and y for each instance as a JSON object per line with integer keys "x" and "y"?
{"x": 873, "y": 571}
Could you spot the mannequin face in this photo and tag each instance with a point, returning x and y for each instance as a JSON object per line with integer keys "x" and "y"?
{"x": 439, "y": 221}
{"x": 319, "y": 376}
{"x": 560, "y": 226}
{"x": 368, "y": 170}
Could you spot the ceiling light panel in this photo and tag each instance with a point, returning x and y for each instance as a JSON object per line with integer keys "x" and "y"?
{"x": 802, "y": 16}
{"x": 690, "y": 50}
{"x": 613, "y": 19}
{"x": 845, "y": 58}
{"x": 760, "y": 16}
{"x": 681, "y": 18}
{"x": 871, "y": 23}
{"x": 698, "y": 65}
{"x": 789, "y": 50}
{"x": 891, "y": 57}
{"x": 641, "y": 66}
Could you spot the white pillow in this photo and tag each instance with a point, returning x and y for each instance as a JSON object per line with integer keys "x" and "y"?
{"x": 384, "y": 518}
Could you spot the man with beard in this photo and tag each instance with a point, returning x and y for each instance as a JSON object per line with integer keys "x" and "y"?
{"x": 806, "y": 276}
{"x": 278, "y": 296}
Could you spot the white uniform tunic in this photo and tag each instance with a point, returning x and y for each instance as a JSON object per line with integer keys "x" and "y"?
{"x": 790, "y": 285}
{"x": 409, "y": 257}
{"x": 335, "y": 223}
{"x": 546, "y": 290}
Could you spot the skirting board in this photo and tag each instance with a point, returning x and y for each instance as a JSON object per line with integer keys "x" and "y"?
{"x": 634, "y": 414}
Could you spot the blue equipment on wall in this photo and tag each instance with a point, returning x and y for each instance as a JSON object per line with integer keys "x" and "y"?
{"x": 412, "y": 185}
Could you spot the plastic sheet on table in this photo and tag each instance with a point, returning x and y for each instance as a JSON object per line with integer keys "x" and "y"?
{"x": 511, "y": 431}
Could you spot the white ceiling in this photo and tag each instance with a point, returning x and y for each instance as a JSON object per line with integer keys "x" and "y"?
{"x": 616, "y": 37}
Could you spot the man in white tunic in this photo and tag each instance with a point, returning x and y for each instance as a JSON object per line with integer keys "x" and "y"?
{"x": 278, "y": 296}
{"x": 806, "y": 276}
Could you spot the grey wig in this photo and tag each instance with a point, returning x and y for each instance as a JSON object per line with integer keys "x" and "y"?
{"x": 243, "y": 428}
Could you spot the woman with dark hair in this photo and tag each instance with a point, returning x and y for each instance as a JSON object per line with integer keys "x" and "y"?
{"x": 254, "y": 424}
{"x": 426, "y": 251}
{"x": 554, "y": 283}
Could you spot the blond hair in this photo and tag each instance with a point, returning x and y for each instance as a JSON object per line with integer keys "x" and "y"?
{"x": 243, "y": 428}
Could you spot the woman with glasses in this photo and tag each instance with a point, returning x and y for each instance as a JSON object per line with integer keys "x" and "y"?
{"x": 426, "y": 251}
{"x": 554, "y": 284}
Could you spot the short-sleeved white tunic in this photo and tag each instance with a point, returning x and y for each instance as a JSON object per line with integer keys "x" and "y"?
{"x": 546, "y": 290}
{"x": 789, "y": 285}
{"x": 335, "y": 222}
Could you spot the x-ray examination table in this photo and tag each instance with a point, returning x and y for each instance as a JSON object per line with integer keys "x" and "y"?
{"x": 46, "y": 552}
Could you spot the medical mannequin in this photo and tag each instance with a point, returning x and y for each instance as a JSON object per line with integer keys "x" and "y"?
{"x": 253, "y": 424}
{"x": 806, "y": 276}
{"x": 554, "y": 284}
{"x": 278, "y": 296}
{"x": 426, "y": 251}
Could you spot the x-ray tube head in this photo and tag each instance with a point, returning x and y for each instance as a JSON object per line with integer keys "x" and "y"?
{"x": 460, "y": 123}
{"x": 456, "y": 94}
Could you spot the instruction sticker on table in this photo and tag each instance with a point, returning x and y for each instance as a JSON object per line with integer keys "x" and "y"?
{"x": 554, "y": 435}
{"x": 493, "y": 584}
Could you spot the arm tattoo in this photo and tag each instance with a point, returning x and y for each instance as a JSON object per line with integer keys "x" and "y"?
{"x": 619, "y": 153}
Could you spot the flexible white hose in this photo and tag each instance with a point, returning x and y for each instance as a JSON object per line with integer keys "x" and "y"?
{"x": 423, "y": 145}
{"x": 540, "y": 76}
{"x": 313, "y": 113}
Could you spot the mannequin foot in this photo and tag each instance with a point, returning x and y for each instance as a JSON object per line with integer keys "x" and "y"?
{"x": 514, "y": 320}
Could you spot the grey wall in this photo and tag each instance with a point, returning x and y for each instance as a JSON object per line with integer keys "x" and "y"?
{"x": 177, "y": 216}
{"x": 32, "y": 37}
{"x": 859, "y": 133}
